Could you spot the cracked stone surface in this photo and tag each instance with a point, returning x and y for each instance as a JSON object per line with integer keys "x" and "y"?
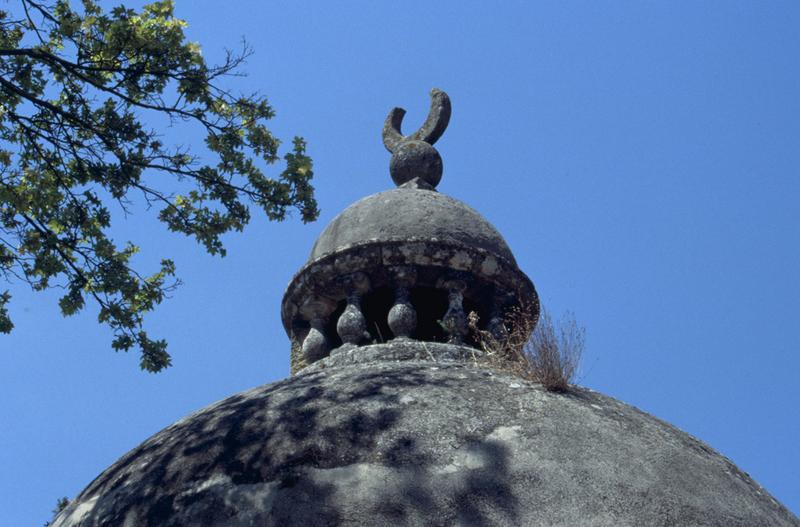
{"x": 421, "y": 442}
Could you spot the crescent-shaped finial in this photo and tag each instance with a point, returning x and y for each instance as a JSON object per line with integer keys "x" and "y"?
{"x": 430, "y": 131}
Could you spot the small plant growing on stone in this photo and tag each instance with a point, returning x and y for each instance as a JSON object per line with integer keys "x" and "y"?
{"x": 554, "y": 351}
{"x": 61, "y": 504}
{"x": 550, "y": 354}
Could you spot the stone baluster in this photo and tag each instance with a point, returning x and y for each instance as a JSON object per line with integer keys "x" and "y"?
{"x": 496, "y": 326}
{"x": 315, "y": 345}
{"x": 454, "y": 321}
{"x": 352, "y": 325}
{"x": 402, "y": 316}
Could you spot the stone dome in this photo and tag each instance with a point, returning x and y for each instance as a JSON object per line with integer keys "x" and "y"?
{"x": 392, "y": 420}
{"x": 402, "y": 440}
{"x": 405, "y": 263}
{"x": 408, "y": 213}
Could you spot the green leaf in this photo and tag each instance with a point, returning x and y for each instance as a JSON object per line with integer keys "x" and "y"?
{"x": 74, "y": 138}
{"x": 5, "y": 322}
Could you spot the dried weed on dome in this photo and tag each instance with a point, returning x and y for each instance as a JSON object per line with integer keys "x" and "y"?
{"x": 546, "y": 352}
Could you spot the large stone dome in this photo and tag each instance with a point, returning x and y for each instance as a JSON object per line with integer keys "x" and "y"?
{"x": 421, "y": 442}
{"x": 391, "y": 420}
{"x": 406, "y": 213}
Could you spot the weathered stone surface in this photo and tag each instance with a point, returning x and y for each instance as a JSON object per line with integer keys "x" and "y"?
{"x": 397, "y": 350}
{"x": 491, "y": 280}
{"x": 421, "y": 443}
{"x": 432, "y": 235}
{"x": 416, "y": 160}
{"x": 404, "y": 214}
{"x": 430, "y": 131}
{"x": 415, "y": 228}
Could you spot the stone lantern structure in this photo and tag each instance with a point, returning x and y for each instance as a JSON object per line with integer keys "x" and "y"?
{"x": 406, "y": 264}
{"x": 388, "y": 420}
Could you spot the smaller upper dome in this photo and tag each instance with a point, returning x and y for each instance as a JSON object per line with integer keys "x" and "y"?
{"x": 408, "y": 263}
{"x": 410, "y": 214}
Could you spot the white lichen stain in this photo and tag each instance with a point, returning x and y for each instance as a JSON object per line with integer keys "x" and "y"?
{"x": 216, "y": 479}
{"x": 251, "y": 497}
{"x": 464, "y": 459}
{"x": 83, "y": 508}
{"x": 473, "y": 460}
{"x": 505, "y": 433}
{"x": 489, "y": 266}
{"x": 461, "y": 260}
{"x": 447, "y": 469}
{"x": 407, "y": 399}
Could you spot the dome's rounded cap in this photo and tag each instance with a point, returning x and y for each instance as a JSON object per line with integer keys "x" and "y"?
{"x": 405, "y": 214}
{"x": 421, "y": 443}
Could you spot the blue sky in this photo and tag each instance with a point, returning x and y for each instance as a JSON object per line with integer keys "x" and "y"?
{"x": 640, "y": 158}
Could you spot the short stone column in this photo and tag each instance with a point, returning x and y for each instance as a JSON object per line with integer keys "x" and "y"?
{"x": 454, "y": 321}
{"x": 315, "y": 345}
{"x": 352, "y": 325}
{"x": 497, "y": 319}
{"x": 402, "y": 316}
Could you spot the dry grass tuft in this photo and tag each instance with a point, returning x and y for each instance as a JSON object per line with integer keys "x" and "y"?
{"x": 551, "y": 354}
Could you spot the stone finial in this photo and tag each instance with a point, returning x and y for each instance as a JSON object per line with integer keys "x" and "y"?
{"x": 404, "y": 264}
{"x": 415, "y": 162}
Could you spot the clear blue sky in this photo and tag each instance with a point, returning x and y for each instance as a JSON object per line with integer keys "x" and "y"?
{"x": 641, "y": 159}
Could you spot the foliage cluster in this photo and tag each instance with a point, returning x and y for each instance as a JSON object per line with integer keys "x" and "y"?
{"x": 77, "y": 88}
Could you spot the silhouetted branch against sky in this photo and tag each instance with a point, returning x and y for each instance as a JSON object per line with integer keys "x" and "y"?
{"x": 78, "y": 87}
